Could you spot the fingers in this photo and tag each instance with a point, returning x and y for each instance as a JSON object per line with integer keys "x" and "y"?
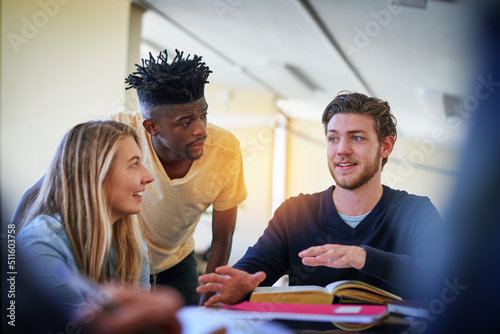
{"x": 334, "y": 256}
{"x": 212, "y": 300}
{"x": 213, "y": 282}
{"x": 320, "y": 260}
{"x": 260, "y": 276}
{"x": 208, "y": 287}
{"x": 311, "y": 262}
{"x": 322, "y": 252}
{"x": 312, "y": 251}
{"x": 211, "y": 278}
{"x": 324, "y": 255}
{"x": 230, "y": 284}
{"x": 228, "y": 270}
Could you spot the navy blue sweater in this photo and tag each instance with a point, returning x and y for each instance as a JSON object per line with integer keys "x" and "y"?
{"x": 403, "y": 237}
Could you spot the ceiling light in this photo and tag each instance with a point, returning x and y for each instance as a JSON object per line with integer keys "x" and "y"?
{"x": 411, "y": 3}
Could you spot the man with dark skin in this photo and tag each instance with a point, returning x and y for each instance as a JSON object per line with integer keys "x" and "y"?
{"x": 196, "y": 164}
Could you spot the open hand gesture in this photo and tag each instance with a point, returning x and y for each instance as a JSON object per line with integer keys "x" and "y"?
{"x": 334, "y": 256}
{"x": 231, "y": 284}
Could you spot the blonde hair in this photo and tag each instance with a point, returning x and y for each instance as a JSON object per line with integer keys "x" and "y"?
{"x": 74, "y": 189}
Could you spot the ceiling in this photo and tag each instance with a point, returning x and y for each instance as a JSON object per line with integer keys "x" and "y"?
{"x": 418, "y": 58}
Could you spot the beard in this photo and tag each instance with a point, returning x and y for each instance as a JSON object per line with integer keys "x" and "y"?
{"x": 192, "y": 157}
{"x": 365, "y": 174}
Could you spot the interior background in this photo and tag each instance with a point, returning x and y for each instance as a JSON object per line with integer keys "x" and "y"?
{"x": 276, "y": 64}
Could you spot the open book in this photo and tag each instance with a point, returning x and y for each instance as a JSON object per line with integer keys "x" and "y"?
{"x": 340, "y": 292}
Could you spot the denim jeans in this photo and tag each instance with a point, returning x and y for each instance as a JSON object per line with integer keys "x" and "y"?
{"x": 183, "y": 277}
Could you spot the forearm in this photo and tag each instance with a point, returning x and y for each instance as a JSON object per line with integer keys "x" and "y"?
{"x": 223, "y": 224}
{"x": 220, "y": 251}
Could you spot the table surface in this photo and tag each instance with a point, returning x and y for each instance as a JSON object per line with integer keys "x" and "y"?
{"x": 209, "y": 320}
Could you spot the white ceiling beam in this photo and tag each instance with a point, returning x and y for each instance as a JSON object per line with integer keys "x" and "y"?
{"x": 311, "y": 12}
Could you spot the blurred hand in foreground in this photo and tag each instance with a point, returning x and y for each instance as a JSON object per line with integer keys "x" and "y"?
{"x": 130, "y": 312}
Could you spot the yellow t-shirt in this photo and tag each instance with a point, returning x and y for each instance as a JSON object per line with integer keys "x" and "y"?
{"x": 171, "y": 209}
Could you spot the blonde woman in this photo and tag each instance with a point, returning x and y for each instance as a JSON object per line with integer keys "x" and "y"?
{"x": 83, "y": 222}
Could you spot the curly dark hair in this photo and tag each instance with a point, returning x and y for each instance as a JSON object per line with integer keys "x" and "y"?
{"x": 159, "y": 83}
{"x": 347, "y": 102}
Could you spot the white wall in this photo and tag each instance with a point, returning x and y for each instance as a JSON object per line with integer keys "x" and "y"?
{"x": 63, "y": 62}
{"x": 250, "y": 117}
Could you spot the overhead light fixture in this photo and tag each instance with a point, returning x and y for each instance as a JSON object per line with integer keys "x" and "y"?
{"x": 452, "y": 105}
{"x": 441, "y": 103}
{"x": 296, "y": 84}
{"x": 411, "y": 3}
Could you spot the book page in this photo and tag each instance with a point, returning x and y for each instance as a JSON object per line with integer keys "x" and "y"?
{"x": 358, "y": 285}
{"x": 293, "y": 288}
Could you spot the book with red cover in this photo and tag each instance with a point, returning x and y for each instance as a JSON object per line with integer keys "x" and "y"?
{"x": 351, "y": 313}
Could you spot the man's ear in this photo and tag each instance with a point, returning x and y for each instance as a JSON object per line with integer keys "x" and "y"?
{"x": 387, "y": 146}
{"x": 150, "y": 126}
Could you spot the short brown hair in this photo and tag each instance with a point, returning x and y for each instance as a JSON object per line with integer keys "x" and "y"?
{"x": 357, "y": 103}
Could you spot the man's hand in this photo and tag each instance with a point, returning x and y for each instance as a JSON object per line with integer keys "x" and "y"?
{"x": 230, "y": 283}
{"x": 334, "y": 256}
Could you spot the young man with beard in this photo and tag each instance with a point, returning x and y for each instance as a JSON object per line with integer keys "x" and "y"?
{"x": 357, "y": 229}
